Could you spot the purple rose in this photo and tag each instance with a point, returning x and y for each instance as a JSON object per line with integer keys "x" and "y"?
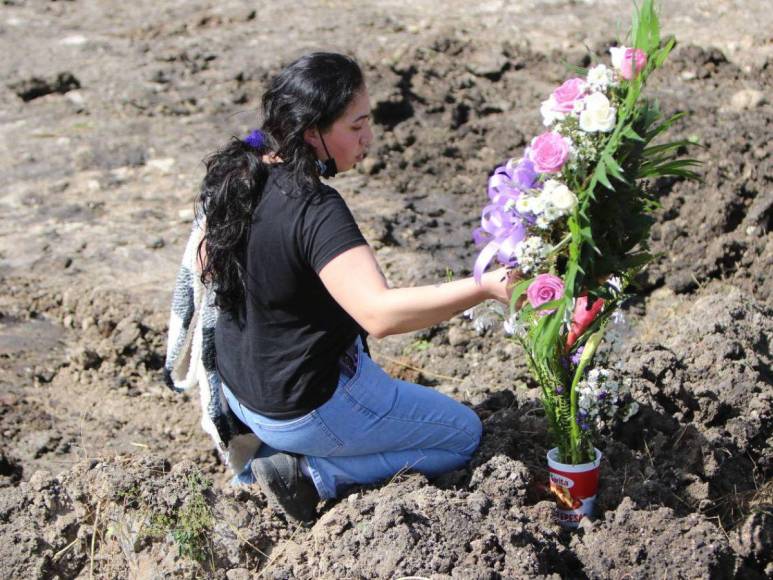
{"x": 564, "y": 97}
{"x": 549, "y": 152}
{"x": 545, "y": 288}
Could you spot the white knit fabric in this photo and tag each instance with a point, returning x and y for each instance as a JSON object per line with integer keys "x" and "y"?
{"x": 190, "y": 359}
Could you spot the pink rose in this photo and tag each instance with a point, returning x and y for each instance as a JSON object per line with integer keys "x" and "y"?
{"x": 545, "y": 288}
{"x": 567, "y": 94}
{"x": 629, "y": 61}
{"x": 549, "y": 152}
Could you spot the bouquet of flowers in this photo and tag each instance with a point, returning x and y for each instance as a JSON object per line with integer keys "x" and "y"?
{"x": 573, "y": 214}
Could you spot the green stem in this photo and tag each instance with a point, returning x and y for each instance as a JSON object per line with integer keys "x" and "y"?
{"x": 562, "y": 243}
{"x": 587, "y": 355}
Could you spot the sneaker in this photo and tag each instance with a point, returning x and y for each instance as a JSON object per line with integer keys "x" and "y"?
{"x": 286, "y": 488}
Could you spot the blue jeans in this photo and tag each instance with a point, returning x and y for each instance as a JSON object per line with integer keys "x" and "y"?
{"x": 370, "y": 429}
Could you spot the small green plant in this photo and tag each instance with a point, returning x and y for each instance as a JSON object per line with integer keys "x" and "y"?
{"x": 158, "y": 526}
{"x": 189, "y": 525}
{"x": 417, "y": 346}
{"x": 194, "y": 521}
{"x": 129, "y": 496}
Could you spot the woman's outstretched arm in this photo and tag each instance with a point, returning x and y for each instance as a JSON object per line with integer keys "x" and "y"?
{"x": 356, "y": 282}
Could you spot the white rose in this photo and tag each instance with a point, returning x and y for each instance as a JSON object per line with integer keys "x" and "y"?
{"x": 599, "y": 114}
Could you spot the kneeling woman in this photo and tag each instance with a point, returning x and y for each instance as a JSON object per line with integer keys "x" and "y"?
{"x": 299, "y": 289}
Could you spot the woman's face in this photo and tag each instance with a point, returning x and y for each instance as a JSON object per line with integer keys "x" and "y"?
{"x": 349, "y": 137}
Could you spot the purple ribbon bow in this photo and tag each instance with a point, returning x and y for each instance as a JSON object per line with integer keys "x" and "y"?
{"x": 502, "y": 228}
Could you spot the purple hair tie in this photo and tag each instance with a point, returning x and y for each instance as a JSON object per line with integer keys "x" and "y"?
{"x": 256, "y": 139}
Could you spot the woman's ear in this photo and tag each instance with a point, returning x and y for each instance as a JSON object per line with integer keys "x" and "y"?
{"x": 311, "y": 136}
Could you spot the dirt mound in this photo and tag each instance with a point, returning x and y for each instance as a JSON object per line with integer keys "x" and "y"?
{"x": 126, "y": 517}
{"x": 688, "y": 547}
{"x": 702, "y": 371}
{"x": 719, "y": 228}
{"x": 122, "y": 518}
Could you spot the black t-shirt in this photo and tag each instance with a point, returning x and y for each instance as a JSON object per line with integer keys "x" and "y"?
{"x": 281, "y": 358}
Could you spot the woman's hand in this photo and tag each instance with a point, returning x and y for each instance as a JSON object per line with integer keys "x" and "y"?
{"x": 499, "y": 284}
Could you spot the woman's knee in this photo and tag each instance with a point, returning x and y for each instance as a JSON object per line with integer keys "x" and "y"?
{"x": 473, "y": 427}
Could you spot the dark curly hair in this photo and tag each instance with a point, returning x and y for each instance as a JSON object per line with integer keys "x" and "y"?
{"x": 313, "y": 91}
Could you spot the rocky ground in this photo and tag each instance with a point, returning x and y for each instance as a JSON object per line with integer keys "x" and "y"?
{"x": 106, "y": 110}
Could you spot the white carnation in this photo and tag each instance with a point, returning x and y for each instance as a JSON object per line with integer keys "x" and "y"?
{"x": 599, "y": 114}
{"x": 560, "y": 196}
{"x": 553, "y": 202}
{"x": 551, "y": 212}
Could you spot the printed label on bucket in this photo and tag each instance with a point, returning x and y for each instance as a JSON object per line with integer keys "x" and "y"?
{"x": 574, "y": 487}
{"x": 570, "y": 509}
